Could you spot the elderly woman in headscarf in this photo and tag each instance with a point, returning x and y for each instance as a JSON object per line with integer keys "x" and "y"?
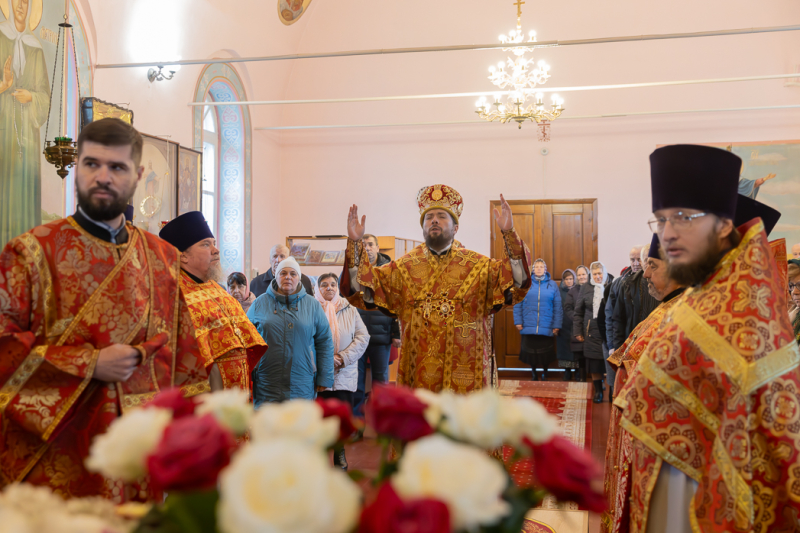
{"x": 581, "y": 279}
{"x": 566, "y": 357}
{"x": 238, "y": 288}
{"x": 585, "y": 326}
{"x": 350, "y": 340}
{"x": 538, "y": 318}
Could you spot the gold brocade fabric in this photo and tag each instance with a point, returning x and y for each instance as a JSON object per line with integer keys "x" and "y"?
{"x": 618, "y": 445}
{"x": 716, "y": 394}
{"x": 224, "y": 333}
{"x": 444, "y": 304}
{"x": 64, "y": 296}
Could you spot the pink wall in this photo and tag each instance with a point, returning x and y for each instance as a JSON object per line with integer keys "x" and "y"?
{"x": 303, "y": 181}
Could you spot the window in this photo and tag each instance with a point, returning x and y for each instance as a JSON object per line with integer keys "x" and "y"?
{"x": 223, "y": 134}
{"x": 210, "y": 171}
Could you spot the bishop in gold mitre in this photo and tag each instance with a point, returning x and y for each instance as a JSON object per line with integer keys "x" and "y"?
{"x": 442, "y": 293}
{"x": 229, "y": 343}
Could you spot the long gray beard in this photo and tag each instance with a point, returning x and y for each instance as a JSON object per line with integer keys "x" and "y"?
{"x": 215, "y": 273}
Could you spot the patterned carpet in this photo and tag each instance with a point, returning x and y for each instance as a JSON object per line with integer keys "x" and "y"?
{"x": 571, "y": 403}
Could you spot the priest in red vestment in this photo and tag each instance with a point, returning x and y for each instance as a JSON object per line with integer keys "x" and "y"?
{"x": 229, "y": 343}
{"x": 92, "y": 323}
{"x": 442, "y": 293}
{"x": 713, "y": 405}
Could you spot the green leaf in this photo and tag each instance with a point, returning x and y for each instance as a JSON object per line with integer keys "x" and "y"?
{"x": 193, "y": 512}
{"x": 356, "y": 475}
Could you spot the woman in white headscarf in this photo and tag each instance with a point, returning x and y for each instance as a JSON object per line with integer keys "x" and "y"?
{"x": 585, "y": 325}
{"x": 350, "y": 340}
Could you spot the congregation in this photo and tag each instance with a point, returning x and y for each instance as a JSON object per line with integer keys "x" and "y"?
{"x": 695, "y": 341}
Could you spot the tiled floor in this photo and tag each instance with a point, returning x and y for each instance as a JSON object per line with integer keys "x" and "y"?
{"x": 365, "y": 454}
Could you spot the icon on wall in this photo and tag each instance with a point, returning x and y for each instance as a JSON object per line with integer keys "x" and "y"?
{"x": 290, "y": 11}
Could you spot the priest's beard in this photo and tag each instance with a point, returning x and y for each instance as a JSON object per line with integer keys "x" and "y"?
{"x": 438, "y": 242}
{"x": 104, "y": 209}
{"x": 697, "y": 272}
{"x": 214, "y": 272}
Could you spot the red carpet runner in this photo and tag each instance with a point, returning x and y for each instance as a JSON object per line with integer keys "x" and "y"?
{"x": 570, "y": 403}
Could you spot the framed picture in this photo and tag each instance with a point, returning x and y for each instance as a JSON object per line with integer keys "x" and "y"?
{"x": 341, "y": 257}
{"x": 95, "y": 109}
{"x": 155, "y": 200}
{"x": 329, "y": 258}
{"x": 314, "y": 257}
{"x": 290, "y": 11}
{"x": 300, "y": 251}
{"x": 190, "y": 180}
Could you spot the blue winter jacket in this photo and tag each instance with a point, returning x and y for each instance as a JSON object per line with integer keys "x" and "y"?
{"x": 300, "y": 355}
{"x": 540, "y": 312}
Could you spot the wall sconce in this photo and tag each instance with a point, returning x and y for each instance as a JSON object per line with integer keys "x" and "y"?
{"x": 158, "y": 75}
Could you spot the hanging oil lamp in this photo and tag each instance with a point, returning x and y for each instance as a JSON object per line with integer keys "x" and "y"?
{"x": 62, "y": 152}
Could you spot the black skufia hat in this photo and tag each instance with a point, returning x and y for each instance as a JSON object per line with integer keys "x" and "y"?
{"x": 655, "y": 246}
{"x": 186, "y": 230}
{"x": 747, "y": 209}
{"x": 695, "y": 177}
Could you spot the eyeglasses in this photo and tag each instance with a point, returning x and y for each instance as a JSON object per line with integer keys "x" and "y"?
{"x": 793, "y": 286}
{"x": 679, "y": 221}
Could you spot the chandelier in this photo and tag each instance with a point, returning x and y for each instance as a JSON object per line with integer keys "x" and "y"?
{"x": 519, "y": 77}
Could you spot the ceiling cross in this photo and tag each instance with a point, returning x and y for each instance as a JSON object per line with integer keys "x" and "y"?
{"x": 519, "y": 4}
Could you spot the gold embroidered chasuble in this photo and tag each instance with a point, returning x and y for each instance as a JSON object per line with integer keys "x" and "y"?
{"x": 64, "y": 295}
{"x": 716, "y": 394}
{"x": 224, "y": 333}
{"x": 444, "y": 304}
{"x": 618, "y": 444}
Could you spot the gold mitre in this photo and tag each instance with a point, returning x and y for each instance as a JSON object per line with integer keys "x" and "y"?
{"x": 439, "y": 197}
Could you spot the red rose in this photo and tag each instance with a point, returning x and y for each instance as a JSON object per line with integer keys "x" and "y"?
{"x": 398, "y": 413}
{"x": 334, "y": 407}
{"x": 389, "y": 514}
{"x": 569, "y": 473}
{"x": 191, "y": 454}
{"x": 174, "y": 400}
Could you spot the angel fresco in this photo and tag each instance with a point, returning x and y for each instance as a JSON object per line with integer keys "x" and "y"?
{"x": 24, "y": 101}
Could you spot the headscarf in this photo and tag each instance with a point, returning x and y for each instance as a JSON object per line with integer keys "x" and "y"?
{"x": 9, "y": 29}
{"x": 330, "y": 309}
{"x": 599, "y": 288}
{"x": 564, "y": 275}
{"x": 540, "y": 260}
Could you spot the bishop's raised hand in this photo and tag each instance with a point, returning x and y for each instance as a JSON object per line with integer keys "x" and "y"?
{"x": 355, "y": 229}
{"x": 504, "y": 217}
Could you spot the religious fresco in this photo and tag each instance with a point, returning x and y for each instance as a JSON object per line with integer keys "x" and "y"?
{"x": 30, "y": 190}
{"x": 190, "y": 175}
{"x": 154, "y": 201}
{"x": 290, "y": 11}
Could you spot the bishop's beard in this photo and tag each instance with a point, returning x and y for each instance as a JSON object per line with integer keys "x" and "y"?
{"x": 697, "y": 272}
{"x": 438, "y": 242}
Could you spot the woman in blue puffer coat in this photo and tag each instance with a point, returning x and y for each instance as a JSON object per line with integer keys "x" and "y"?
{"x": 538, "y": 318}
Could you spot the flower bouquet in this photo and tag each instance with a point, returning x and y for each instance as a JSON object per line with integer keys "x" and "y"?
{"x": 438, "y": 473}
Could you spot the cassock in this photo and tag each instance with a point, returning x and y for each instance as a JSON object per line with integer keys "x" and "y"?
{"x": 444, "y": 302}
{"x": 224, "y": 333}
{"x": 67, "y": 291}
{"x": 713, "y": 406}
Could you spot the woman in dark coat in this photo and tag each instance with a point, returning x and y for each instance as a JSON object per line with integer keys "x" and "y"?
{"x": 585, "y": 325}
{"x": 566, "y": 357}
{"x": 581, "y": 279}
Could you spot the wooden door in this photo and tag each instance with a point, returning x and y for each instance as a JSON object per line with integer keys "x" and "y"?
{"x": 563, "y": 233}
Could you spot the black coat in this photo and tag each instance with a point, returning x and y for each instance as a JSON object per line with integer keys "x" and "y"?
{"x": 259, "y": 284}
{"x": 586, "y": 325}
{"x": 569, "y": 314}
{"x": 381, "y": 327}
{"x": 634, "y": 304}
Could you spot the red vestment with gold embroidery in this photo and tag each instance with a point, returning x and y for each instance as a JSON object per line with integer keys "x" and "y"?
{"x": 444, "y": 304}
{"x": 224, "y": 333}
{"x": 716, "y": 395}
{"x": 64, "y": 295}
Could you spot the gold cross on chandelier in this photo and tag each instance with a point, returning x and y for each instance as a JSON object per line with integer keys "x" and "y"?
{"x": 519, "y": 4}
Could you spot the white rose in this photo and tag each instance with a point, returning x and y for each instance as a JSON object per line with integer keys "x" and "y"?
{"x": 120, "y": 453}
{"x": 231, "y": 408}
{"x": 433, "y": 413}
{"x": 475, "y": 418}
{"x": 525, "y": 417}
{"x": 13, "y": 521}
{"x": 465, "y": 478}
{"x": 299, "y": 420}
{"x": 284, "y": 486}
